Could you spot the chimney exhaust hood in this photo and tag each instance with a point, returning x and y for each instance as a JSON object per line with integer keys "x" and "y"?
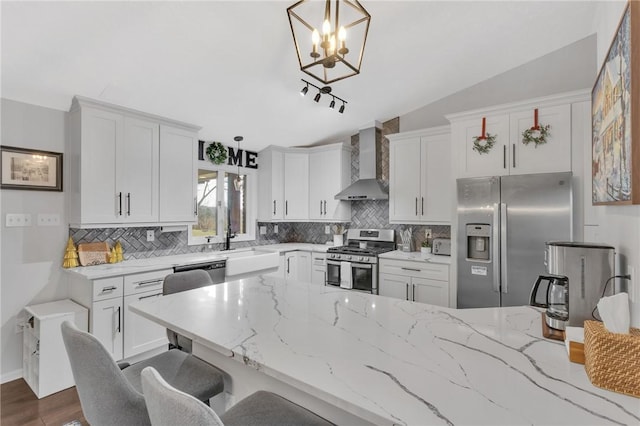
{"x": 367, "y": 187}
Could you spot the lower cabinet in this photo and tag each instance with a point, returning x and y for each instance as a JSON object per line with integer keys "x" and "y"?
{"x": 415, "y": 281}
{"x": 297, "y": 266}
{"x": 122, "y": 332}
{"x": 318, "y": 268}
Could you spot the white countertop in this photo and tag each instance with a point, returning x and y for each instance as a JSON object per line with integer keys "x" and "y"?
{"x": 135, "y": 266}
{"x": 391, "y": 361}
{"x": 415, "y": 256}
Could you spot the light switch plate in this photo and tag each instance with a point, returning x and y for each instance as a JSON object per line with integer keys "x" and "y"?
{"x": 48, "y": 219}
{"x": 275, "y": 229}
{"x": 18, "y": 219}
{"x": 151, "y": 236}
{"x": 327, "y": 229}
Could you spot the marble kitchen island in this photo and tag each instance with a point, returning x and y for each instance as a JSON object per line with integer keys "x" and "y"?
{"x": 387, "y": 361}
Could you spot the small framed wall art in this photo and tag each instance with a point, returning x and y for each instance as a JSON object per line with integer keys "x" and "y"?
{"x": 615, "y": 117}
{"x": 31, "y": 169}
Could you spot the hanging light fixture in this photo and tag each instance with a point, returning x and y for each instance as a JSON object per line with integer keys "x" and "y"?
{"x": 237, "y": 182}
{"x": 304, "y": 90}
{"x": 321, "y": 33}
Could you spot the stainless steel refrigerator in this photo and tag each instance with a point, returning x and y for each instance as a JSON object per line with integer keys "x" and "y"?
{"x": 503, "y": 225}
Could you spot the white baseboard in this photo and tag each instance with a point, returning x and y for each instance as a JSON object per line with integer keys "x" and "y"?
{"x": 11, "y": 376}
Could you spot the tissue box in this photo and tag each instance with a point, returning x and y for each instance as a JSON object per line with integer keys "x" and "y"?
{"x": 612, "y": 360}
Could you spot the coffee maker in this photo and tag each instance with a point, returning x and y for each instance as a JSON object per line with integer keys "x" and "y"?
{"x": 577, "y": 273}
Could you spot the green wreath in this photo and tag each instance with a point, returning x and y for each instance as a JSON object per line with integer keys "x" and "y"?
{"x": 489, "y": 141}
{"x": 542, "y": 133}
{"x": 217, "y": 153}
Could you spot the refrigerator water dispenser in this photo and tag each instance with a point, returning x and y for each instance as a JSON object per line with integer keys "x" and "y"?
{"x": 478, "y": 241}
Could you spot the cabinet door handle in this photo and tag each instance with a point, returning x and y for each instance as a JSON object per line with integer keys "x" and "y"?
{"x": 288, "y": 259}
{"x": 413, "y": 293}
{"x": 149, "y": 282}
{"x": 504, "y": 156}
{"x": 514, "y": 155}
{"x": 274, "y": 207}
{"x": 422, "y": 206}
{"x": 119, "y": 322}
{"x": 128, "y": 204}
{"x": 108, "y": 289}
{"x": 321, "y": 207}
{"x": 416, "y": 206}
{"x": 151, "y": 295}
{"x": 119, "y": 203}
{"x": 286, "y": 208}
{"x": 325, "y": 207}
{"x": 195, "y": 206}
{"x": 407, "y": 288}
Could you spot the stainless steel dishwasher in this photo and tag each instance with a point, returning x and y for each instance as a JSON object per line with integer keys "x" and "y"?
{"x": 216, "y": 269}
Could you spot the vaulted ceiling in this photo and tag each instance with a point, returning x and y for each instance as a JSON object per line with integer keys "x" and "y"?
{"x": 230, "y": 66}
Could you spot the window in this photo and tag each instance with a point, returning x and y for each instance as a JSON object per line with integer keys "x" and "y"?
{"x": 224, "y": 196}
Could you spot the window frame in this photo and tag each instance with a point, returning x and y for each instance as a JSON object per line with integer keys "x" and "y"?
{"x": 251, "y": 204}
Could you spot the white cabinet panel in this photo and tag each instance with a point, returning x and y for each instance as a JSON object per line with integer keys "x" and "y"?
{"x": 394, "y": 286}
{"x": 430, "y": 291}
{"x": 318, "y": 268}
{"x": 141, "y": 334}
{"x": 422, "y": 282}
{"x": 404, "y": 179}
{"x": 106, "y": 324}
{"x": 178, "y": 174}
{"x": 296, "y": 186}
{"x": 304, "y": 266}
{"x": 291, "y": 266}
{"x": 329, "y": 173}
{"x": 435, "y": 200}
{"x": 472, "y": 163}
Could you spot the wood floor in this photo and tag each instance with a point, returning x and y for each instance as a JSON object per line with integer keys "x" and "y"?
{"x": 20, "y": 406}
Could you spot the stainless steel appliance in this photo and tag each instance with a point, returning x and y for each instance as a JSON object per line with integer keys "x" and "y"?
{"x": 359, "y": 258}
{"x": 503, "y": 225}
{"x": 586, "y": 268}
{"x": 441, "y": 246}
{"x": 216, "y": 269}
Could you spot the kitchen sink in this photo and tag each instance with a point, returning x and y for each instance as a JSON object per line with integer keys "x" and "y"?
{"x": 246, "y": 263}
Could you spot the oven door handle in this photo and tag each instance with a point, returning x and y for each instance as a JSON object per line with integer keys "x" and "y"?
{"x": 361, "y": 266}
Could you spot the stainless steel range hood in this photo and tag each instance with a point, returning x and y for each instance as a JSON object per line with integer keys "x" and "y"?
{"x": 367, "y": 187}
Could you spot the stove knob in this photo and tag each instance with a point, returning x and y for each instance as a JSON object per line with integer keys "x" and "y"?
{"x": 349, "y": 257}
{"x": 362, "y": 258}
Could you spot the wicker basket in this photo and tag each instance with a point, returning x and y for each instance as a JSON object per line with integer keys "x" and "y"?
{"x": 612, "y": 360}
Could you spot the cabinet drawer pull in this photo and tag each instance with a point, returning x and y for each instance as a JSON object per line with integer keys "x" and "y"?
{"x": 149, "y": 282}
{"x": 128, "y": 204}
{"x": 151, "y": 295}
{"x": 108, "y": 289}
{"x": 410, "y": 269}
{"x": 119, "y": 203}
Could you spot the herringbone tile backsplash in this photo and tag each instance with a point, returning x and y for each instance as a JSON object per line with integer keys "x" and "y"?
{"x": 364, "y": 214}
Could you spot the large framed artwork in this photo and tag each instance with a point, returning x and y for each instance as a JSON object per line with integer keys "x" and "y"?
{"x": 31, "y": 169}
{"x": 615, "y": 109}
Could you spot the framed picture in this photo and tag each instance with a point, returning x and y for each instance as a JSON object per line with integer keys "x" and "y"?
{"x": 615, "y": 117}
{"x": 31, "y": 169}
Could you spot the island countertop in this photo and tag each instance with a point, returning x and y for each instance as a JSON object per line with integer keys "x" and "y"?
{"x": 390, "y": 361}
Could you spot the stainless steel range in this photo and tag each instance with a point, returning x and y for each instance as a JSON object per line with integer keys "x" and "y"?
{"x": 355, "y": 265}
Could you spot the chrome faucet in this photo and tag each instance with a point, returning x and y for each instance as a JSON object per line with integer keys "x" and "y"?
{"x": 228, "y": 236}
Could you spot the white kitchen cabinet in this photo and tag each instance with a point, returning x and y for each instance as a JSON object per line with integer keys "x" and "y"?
{"x": 291, "y": 266}
{"x": 296, "y": 186}
{"x": 417, "y": 281}
{"x": 297, "y": 266}
{"x": 178, "y": 174}
{"x": 509, "y": 156}
{"x": 304, "y": 266}
{"x": 318, "y": 268}
{"x": 329, "y": 173}
{"x": 45, "y": 364}
{"x": 271, "y": 185}
{"x": 419, "y": 176}
{"x": 124, "y": 334}
{"x": 127, "y": 167}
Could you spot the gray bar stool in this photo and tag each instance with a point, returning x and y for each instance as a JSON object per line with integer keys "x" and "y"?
{"x": 169, "y": 407}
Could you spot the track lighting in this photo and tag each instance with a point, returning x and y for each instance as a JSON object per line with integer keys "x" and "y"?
{"x": 326, "y": 90}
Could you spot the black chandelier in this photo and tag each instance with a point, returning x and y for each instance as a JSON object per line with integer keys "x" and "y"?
{"x": 335, "y": 51}
{"x": 325, "y": 90}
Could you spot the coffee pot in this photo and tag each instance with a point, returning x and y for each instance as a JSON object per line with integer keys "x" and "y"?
{"x": 557, "y": 300}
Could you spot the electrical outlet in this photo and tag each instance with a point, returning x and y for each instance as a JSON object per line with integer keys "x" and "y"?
{"x": 151, "y": 236}
{"x": 427, "y": 233}
{"x": 275, "y": 229}
{"x": 327, "y": 229}
{"x": 52, "y": 219}
{"x": 263, "y": 230}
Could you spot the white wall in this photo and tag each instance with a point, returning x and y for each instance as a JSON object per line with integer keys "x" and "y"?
{"x": 31, "y": 256}
{"x": 615, "y": 225}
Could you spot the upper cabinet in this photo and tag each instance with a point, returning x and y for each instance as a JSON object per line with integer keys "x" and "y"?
{"x": 299, "y": 184}
{"x": 511, "y": 153}
{"x": 329, "y": 173}
{"x": 127, "y": 167}
{"x": 419, "y": 176}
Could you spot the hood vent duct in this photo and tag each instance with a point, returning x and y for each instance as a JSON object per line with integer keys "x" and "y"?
{"x": 368, "y": 186}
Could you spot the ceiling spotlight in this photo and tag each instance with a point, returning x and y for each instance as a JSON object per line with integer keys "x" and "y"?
{"x": 341, "y": 110}
{"x": 324, "y": 90}
{"x": 317, "y": 98}
{"x": 304, "y": 90}
{"x": 333, "y": 103}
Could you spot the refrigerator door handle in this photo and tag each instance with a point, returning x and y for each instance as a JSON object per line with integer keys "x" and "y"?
{"x": 503, "y": 247}
{"x": 496, "y": 248}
